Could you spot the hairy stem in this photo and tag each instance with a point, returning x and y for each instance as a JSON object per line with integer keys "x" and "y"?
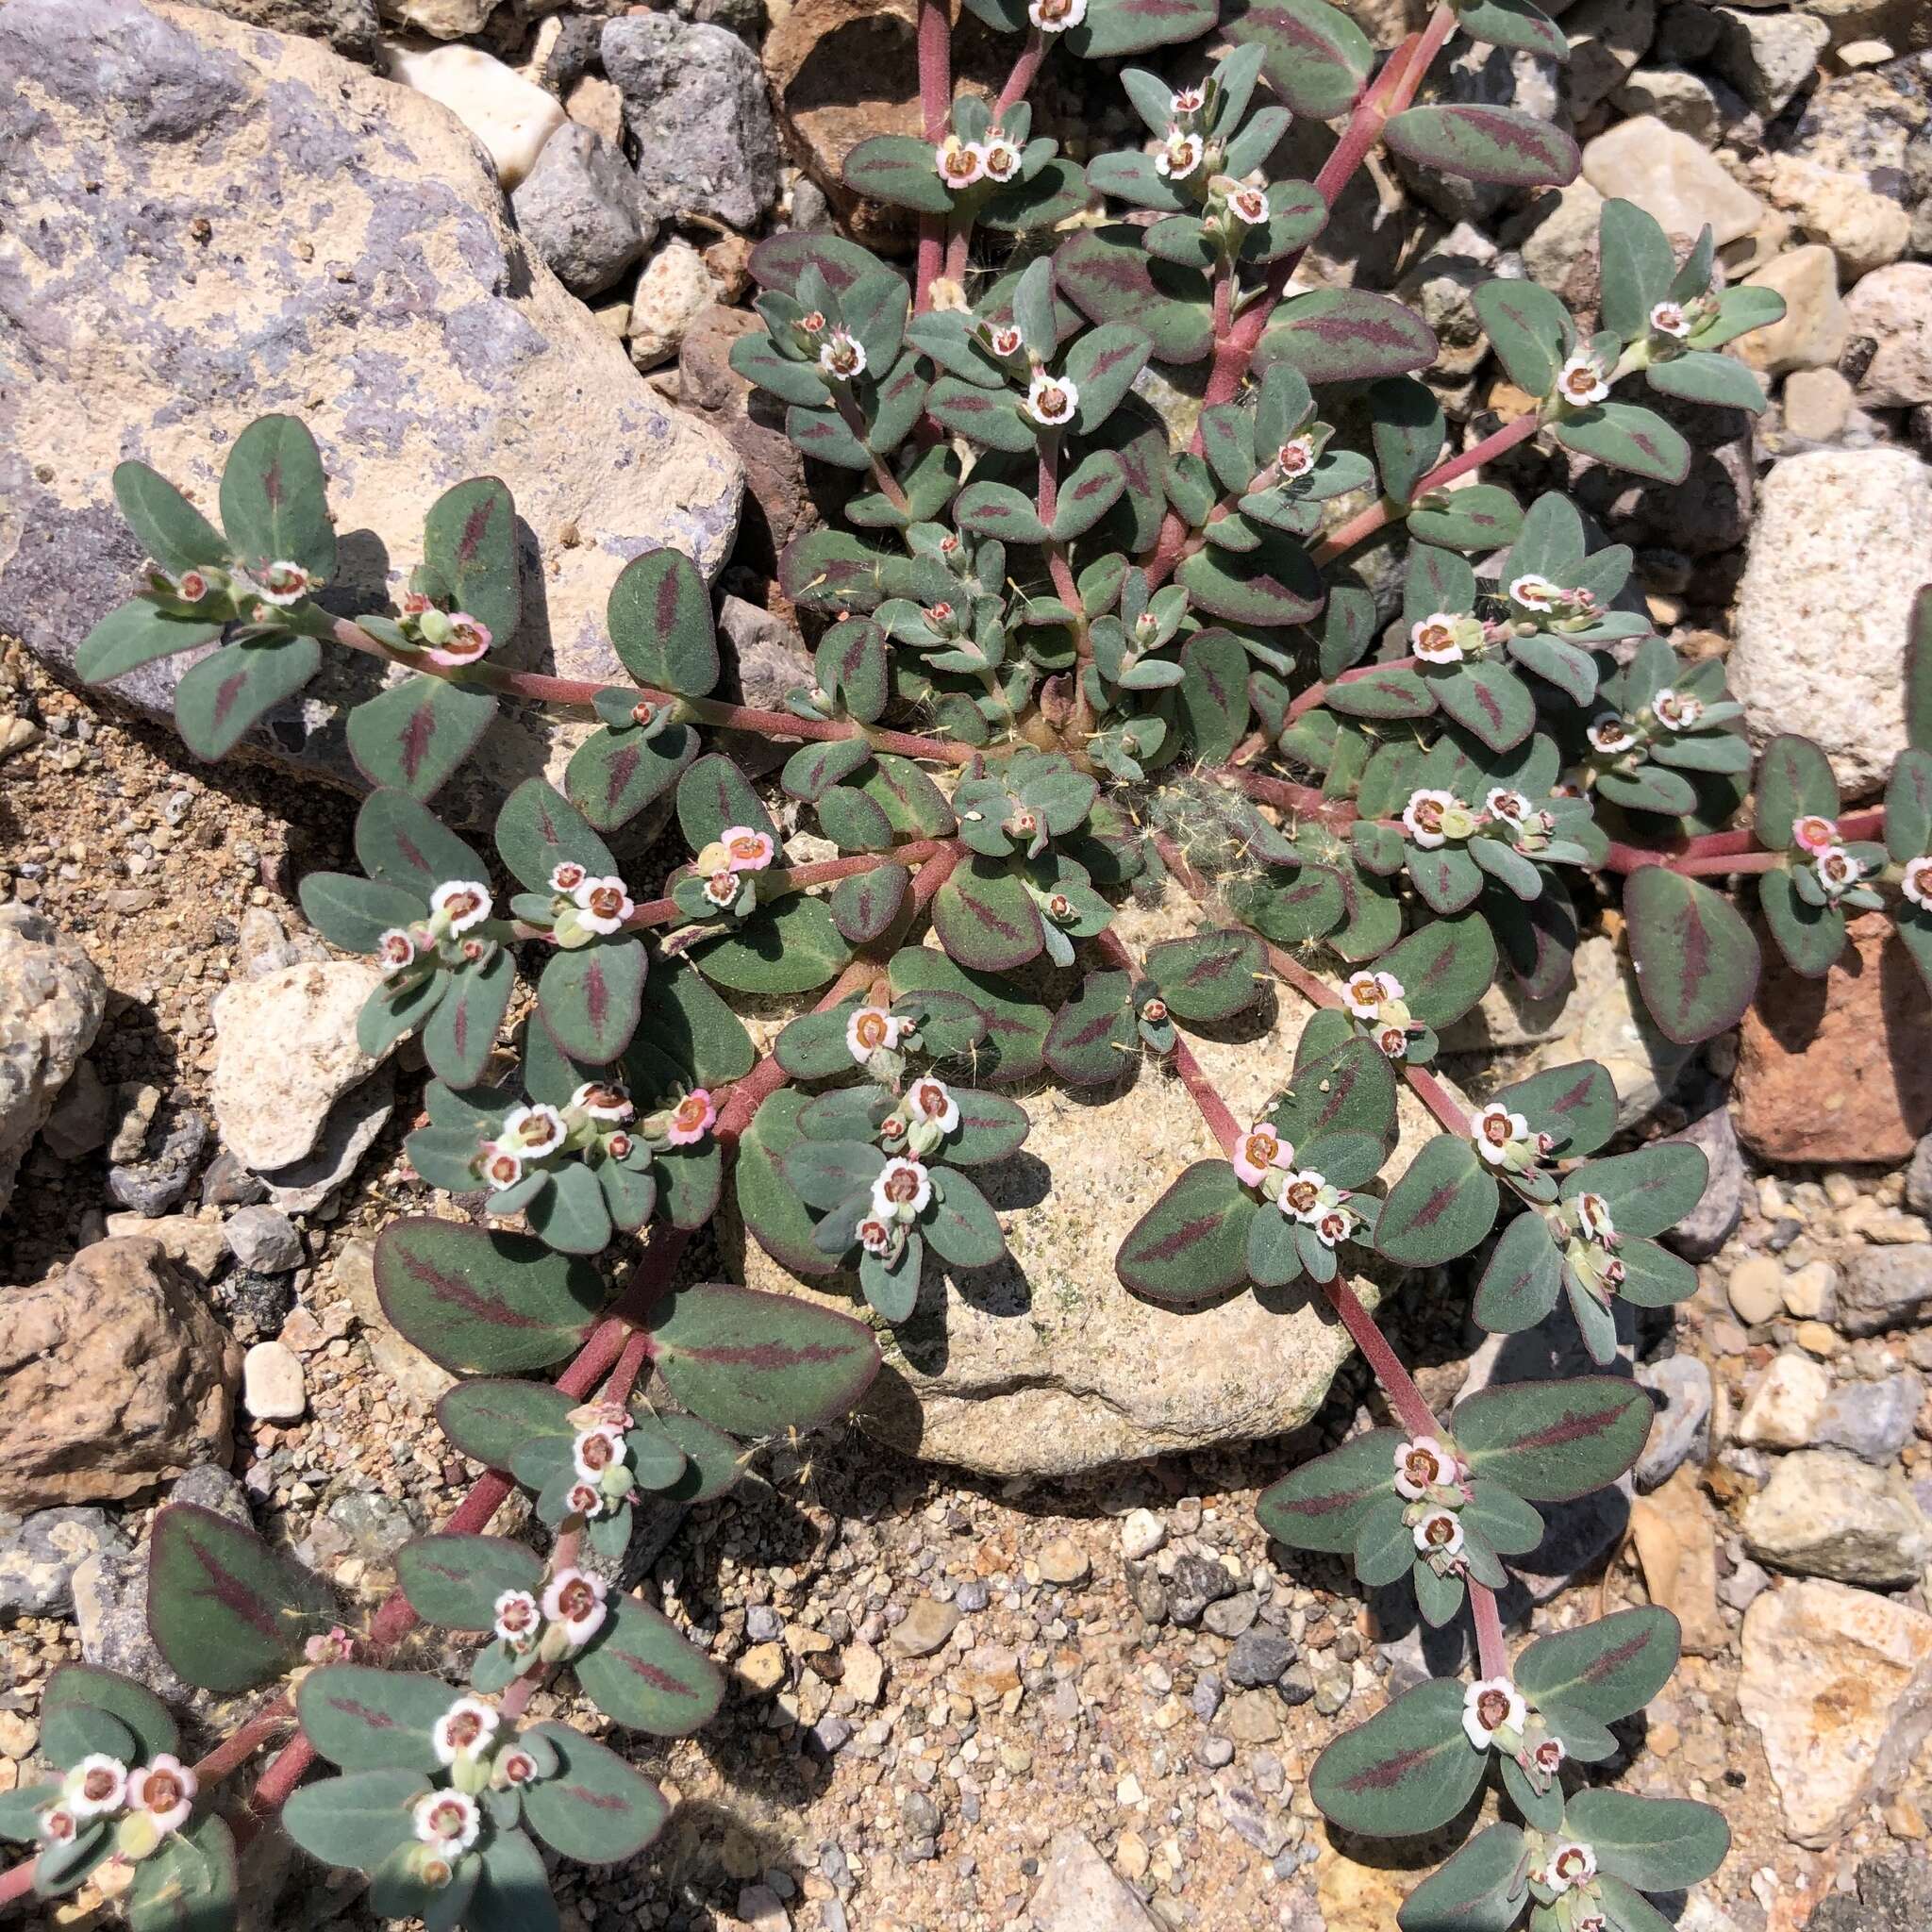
{"x": 1721, "y": 852}
{"x": 1024, "y": 68}
{"x": 935, "y": 108}
{"x": 854, "y": 419}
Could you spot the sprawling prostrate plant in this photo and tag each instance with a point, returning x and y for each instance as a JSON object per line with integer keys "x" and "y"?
{"x": 1123, "y": 650}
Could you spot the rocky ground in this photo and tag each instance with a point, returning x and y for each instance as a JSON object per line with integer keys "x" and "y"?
{"x": 1084, "y": 1700}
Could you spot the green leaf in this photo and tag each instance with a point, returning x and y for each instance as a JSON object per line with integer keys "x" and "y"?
{"x": 1658, "y": 1844}
{"x": 470, "y": 545}
{"x": 898, "y": 170}
{"x": 642, "y": 1672}
{"x": 1577, "y": 1103}
{"x": 1638, "y": 268}
{"x": 354, "y": 1821}
{"x": 1192, "y": 1243}
{"x": 613, "y": 775}
{"x": 769, "y": 1204}
{"x": 1321, "y": 1505}
{"x": 1500, "y": 144}
{"x": 1016, "y": 1026}
{"x": 1345, "y": 335}
{"x": 137, "y": 633}
{"x": 455, "y": 1580}
{"x": 170, "y": 529}
{"x": 274, "y": 499}
{"x": 354, "y": 912}
{"x": 1103, "y": 364}
{"x": 997, "y": 510}
{"x": 1551, "y": 1442}
{"x": 991, "y": 1128}
{"x": 461, "y": 1032}
{"x": 480, "y": 1301}
{"x": 1909, "y": 806}
{"x": 1627, "y": 437}
{"x": 538, "y": 830}
{"x": 1408, "y": 1769}
{"x": 660, "y": 617}
{"x": 366, "y": 1719}
{"x": 1053, "y": 195}
{"x": 757, "y": 1364}
{"x": 222, "y": 698}
{"x": 827, "y": 1172}
{"x": 1109, "y": 277}
{"x": 1407, "y": 428}
{"x": 961, "y": 1228}
{"x": 1276, "y": 584}
{"x": 1649, "y": 1191}
{"x": 714, "y": 796}
{"x": 1313, "y": 55}
{"x": 1722, "y": 381}
{"x": 1348, "y": 1089}
{"x": 1112, "y": 27}
{"x": 1794, "y": 780}
{"x": 399, "y": 839}
{"x": 1089, "y": 493}
{"x": 191, "y": 1883}
{"x": 1092, "y": 1039}
{"x": 513, "y": 1893}
{"x": 985, "y": 917}
{"x": 1490, "y": 702}
{"x": 1531, "y": 333}
{"x": 1212, "y": 699}
{"x": 1696, "y": 962}
{"x": 1445, "y": 967}
{"x": 80, "y": 1731}
{"x": 594, "y": 1807}
{"x": 591, "y": 996}
{"x": 1479, "y": 516}
{"x": 1517, "y": 24}
{"x": 415, "y": 735}
{"x": 1211, "y": 976}
{"x": 1606, "y": 1669}
{"x": 1522, "y": 1279}
{"x": 1443, "y": 1205}
{"x": 787, "y": 947}
{"x": 1482, "y": 1889}
{"x": 225, "y": 1610}
{"x": 134, "y": 1705}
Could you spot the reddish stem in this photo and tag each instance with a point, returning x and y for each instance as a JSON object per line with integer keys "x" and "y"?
{"x": 936, "y": 111}
{"x": 1720, "y": 852}
{"x": 1020, "y": 79}
{"x": 795, "y": 878}
{"x": 624, "y": 1376}
{"x": 1316, "y": 692}
{"x": 958, "y": 252}
{"x": 1492, "y": 1655}
{"x": 1405, "y": 1398}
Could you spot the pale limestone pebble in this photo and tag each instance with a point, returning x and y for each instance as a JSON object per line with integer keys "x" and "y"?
{"x": 195, "y": 1240}
{"x": 1837, "y": 1682}
{"x": 1783, "y": 1410}
{"x": 445, "y": 20}
{"x": 1817, "y": 404}
{"x": 1079, "y": 1892}
{"x": 1767, "y": 56}
{"x": 1811, "y": 332}
{"x": 1672, "y": 178}
{"x": 511, "y": 116}
{"x": 52, "y": 997}
{"x": 1894, "y": 308}
{"x": 1810, "y": 1291}
{"x": 1674, "y": 96}
{"x": 673, "y": 290}
{"x": 1863, "y": 228}
{"x": 1826, "y": 1513}
{"x": 1756, "y": 1289}
{"x": 274, "y": 1388}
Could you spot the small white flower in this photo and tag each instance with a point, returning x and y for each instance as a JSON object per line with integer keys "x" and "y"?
{"x": 1677, "y": 711}
{"x": 871, "y": 1030}
{"x": 1917, "y": 883}
{"x": 1052, "y": 399}
{"x": 1057, "y": 16}
{"x": 596, "y": 1450}
{"x": 1838, "y": 871}
{"x": 1668, "y": 319}
{"x": 1570, "y": 1864}
{"x": 960, "y": 163}
{"x": 1006, "y": 342}
{"x": 448, "y": 1822}
{"x": 1178, "y": 156}
{"x": 876, "y": 1236}
{"x": 1001, "y": 158}
{"x": 903, "y": 1188}
{"x": 1189, "y": 100}
{"x": 1580, "y": 382}
{"x": 602, "y": 905}
{"x": 584, "y": 1499}
{"x": 842, "y": 357}
{"x": 932, "y": 1102}
{"x": 567, "y": 877}
{"x": 1488, "y": 1706}
{"x": 1424, "y": 817}
{"x": 1610, "y": 735}
{"x": 1534, "y": 592}
{"x": 283, "y": 583}
{"x": 1434, "y": 640}
{"x": 165, "y": 1790}
{"x": 1365, "y": 993}
{"x": 1813, "y": 832}
{"x": 395, "y": 952}
{"x": 1496, "y": 1130}
{"x": 603, "y": 1101}
{"x": 1422, "y": 1464}
{"x": 500, "y": 1165}
{"x": 1393, "y": 1041}
{"x": 1296, "y": 458}
{"x": 1439, "y": 1533}
{"x": 537, "y": 1130}
{"x": 517, "y": 1618}
{"x": 464, "y": 640}
{"x": 692, "y": 1119}
{"x": 1593, "y": 1220}
{"x": 464, "y": 1730}
{"x": 1250, "y": 205}
{"x": 515, "y": 1766}
{"x": 1306, "y": 1195}
{"x": 1259, "y": 1149}
{"x": 1547, "y": 1759}
{"x": 95, "y": 1786}
{"x": 1333, "y": 1226}
{"x": 461, "y": 904}
{"x": 575, "y": 1599}
{"x": 1509, "y": 808}
{"x": 721, "y": 888}
{"x": 58, "y": 1825}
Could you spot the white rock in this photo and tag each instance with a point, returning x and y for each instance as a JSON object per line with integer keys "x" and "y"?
{"x": 1839, "y": 1684}
{"x": 1894, "y": 305}
{"x": 675, "y": 286}
{"x": 1817, "y": 404}
{"x": 1843, "y": 542}
{"x": 272, "y": 1388}
{"x": 1864, "y": 229}
{"x": 447, "y": 19}
{"x": 1141, "y": 1534}
{"x": 1783, "y": 1410}
{"x": 1811, "y": 333}
{"x": 513, "y": 117}
{"x": 1670, "y": 177}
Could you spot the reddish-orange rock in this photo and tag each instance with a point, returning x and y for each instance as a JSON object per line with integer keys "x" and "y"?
{"x": 1837, "y": 1068}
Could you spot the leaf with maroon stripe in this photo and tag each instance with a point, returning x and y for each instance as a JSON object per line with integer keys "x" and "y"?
{"x": 1103, "y": 364}
{"x": 990, "y": 1127}
{"x": 1489, "y": 701}
{"x": 456, "y": 1580}
{"x": 274, "y": 499}
{"x": 1193, "y": 1241}
{"x": 1550, "y": 1441}
{"x": 1445, "y": 967}
{"x": 1606, "y": 1669}
{"x": 1314, "y": 56}
{"x": 594, "y": 1807}
{"x": 640, "y": 1671}
{"x": 986, "y": 918}
{"x": 898, "y": 171}
{"x": 480, "y": 1301}
{"x": 461, "y": 1032}
{"x": 222, "y": 698}
{"x": 1627, "y": 438}
{"x": 539, "y": 829}
{"x": 226, "y": 1611}
{"x": 1794, "y": 778}
{"x": 134, "y": 633}
{"x": 1212, "y": 698}
{"x": 1391, "y": 693}
{"x": 1345, "y": 335}
{"x": 470, "y": 544}
{"x": 1576, "y": 1103}
{"x": 1649, "y": 1189}
{"x": 369, "y": 1720}
{"x": 1500, "y": 144}
{"x": 414, "y": 735}
{"x": 1482, "y": 1889}
{"x": 1107, "y": 275}
{"x": 1442, "y": 1206}
{"x": 613, "y": 775}
{"x": 1091, "y": 1041}
{"x": 1697, "y": 963}
{"x": 1409, "y": 1769}
{"x": 1112, "y": 27}
{"x": 1347, "y": 1089}
{"x": 997, "y": 510}
{"x": 660, "y": 617}
{"x": 1319, "y": 1506}
{"x": 986, "y": 416}
{"x": 589, "y": 997}
{"x": 400, "y": 841}
{"x": 757, "y": 1363}
{"x": 1213, "y": 975}
{"x": 1274, "y": 584}
{"x": 1089, "y": 493}
{"x": 1522, "y": 1279}
{"x": 864, "y": 905}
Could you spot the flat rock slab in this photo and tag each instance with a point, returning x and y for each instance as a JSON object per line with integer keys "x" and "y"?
{"x": 1046, "y": 1365}
{"x": 201, "y": 222}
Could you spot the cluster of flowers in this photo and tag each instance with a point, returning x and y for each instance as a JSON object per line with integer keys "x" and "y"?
{"x": 1670, "y": 712}
{"x": 601, "y": 1456}
{"x": 1447, "y": 637}
{"x": 1434, "y": 1482}
{"x": 445, "y": 938}
{"x": 147, "y": 1803}
{"x": 1590, "y": 1243}
{"x": 1433, "y": 817}
{"x": 446, "y": 637}
{"x": 965, "y": 165}
{"x": 1494, "y": 1716}
{"x": 470, "y": 1741}
{"x": 1837, "y": 876}
{"x": 584, "y": 907}
{"x": 1505, "y": 1140}
{"x": 729, "y": 866}
{"x": 928, "y": 1112}
{"x": 1376, "y": 999}
{"x": 600, "y": 1115}
{"x": 1263, "y": 1159}
{"x": 552, "y": 1629}
{"x": 1569, "y": 1866}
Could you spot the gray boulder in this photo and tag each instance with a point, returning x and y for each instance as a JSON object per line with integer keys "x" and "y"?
{"x": 578, "y": 209}
{"x": 52, "y": 997}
